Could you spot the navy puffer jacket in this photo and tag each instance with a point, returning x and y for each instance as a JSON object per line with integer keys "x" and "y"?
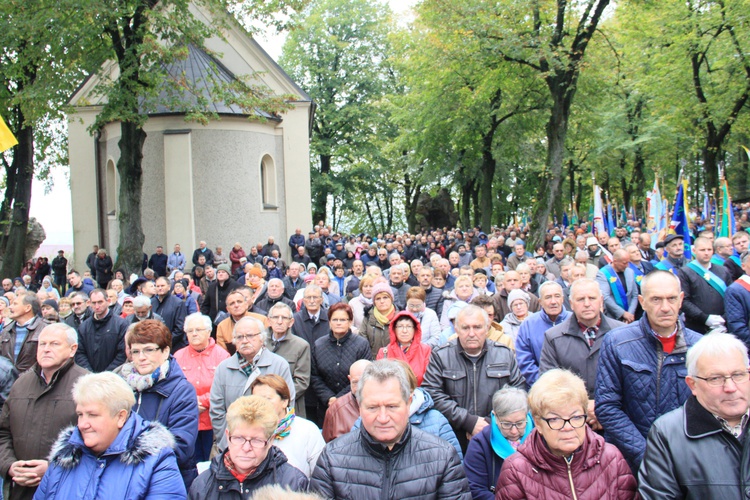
{"x": 637, "y": 382}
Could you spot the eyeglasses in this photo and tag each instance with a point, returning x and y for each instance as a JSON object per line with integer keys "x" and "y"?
{"x": 506, "y": 426}
{"x": 279, "y": 318}
{"x": 254, "y": 442}
{"x": 405, "y": 328}
{"x": 556, "y": 423}
{"x": 148, "y": 351}
{"x": 720, "y": 380}
{"x": 313, "y": 297}
{"x": 195, "y": 330}
{"x": 242, "y": 338}
{"x": 338, "y": 320}
{"x": 76, "y": 303}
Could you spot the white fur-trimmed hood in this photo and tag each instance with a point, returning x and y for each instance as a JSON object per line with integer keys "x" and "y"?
{"x": 153, "y": 438}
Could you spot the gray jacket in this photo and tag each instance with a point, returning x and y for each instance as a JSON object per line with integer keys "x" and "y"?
{"x": 689, "y": 455}
{"x": 462, "y": 386}
{"x": 296, "y": 352}
{"x": 611, "y": 308}
{"x": 565, "y": 346}
{"x": 231, "y": 383}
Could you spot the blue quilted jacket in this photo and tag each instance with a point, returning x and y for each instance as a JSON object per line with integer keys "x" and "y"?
{"x": 737, "y": 311}
{"x": 530, "y": 341}
{"x": 637, "y": 382}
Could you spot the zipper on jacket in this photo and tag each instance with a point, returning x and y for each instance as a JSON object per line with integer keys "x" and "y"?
{"x": 474, "y": 364}
{"x": 660, "y": 364}
{"x": 138, "y": 411}
{"x": 570, "y": 478}
{"x": 384, "y": 493}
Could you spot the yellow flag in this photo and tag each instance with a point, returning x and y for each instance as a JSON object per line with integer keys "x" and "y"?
{"x": 7, "y": 139}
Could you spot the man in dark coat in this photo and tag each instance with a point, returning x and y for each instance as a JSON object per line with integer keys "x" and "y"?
{"x": 388, "y": 461}
{"x": 172, "y": 310}
{"x": 574, "y": 344}
{"x": 101, "y": 338}
{"x": 60, "y": 271}
{"x": 206, "y": 252}
{"x": 38, "y": 408}
{"x": 704, "y": 285}
{"x": 269, "y": 247}
{"x": 158, "y": 262}
{"x": 296, "y": 240}
{"x": 700, "y": 450}
{"x": 737, "y": 304}
{"x": 18, "y": 341}
{"x": 216, "y": 295}
{"x": 91, "y": 261}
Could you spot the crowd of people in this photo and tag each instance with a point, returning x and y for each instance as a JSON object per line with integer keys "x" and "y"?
{"x": 445, "y": 364}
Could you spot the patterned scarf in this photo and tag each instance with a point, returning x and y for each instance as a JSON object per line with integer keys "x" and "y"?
{"x": 246, "y": 366}
{"x": 285, "y": 425}
{"x": 233, "y": 470}
{"x": 140, "y": 383}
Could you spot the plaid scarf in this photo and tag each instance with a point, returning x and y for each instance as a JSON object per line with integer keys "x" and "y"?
{"x": 233, "y": 470}
{"x": 246, "y": 366}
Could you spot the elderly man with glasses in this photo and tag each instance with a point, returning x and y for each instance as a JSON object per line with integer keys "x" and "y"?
{"x": 235, "y": 374}
{"x": 700, "y": 450}
{"x": 292, "y": 348}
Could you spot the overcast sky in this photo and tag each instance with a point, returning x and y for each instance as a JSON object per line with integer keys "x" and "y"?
{"x": 53, "y": 209}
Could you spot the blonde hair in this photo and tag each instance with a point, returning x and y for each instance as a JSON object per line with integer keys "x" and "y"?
{"x": 106, "y": 388}
{"x": 367, "y": 279}
{"x": 555, "y": 389}
{"x": 461, "y": 279}
{"x": 252, "y": 410}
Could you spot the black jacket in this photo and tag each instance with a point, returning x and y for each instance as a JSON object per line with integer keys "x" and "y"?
{"x": 173, "y": 312}
{"x": 420, "y": 465}
{"x": 305, "y": 328}
{"x": 208, "y": 254}
{"x": 291, "y": 288}
{"x": 688, "y": 455}
{"x": 434, "y": 300}
{"x": 158, "y": 263}
{"x": 462, "y": 386}
{"x": 74, "y": 321}
{"x": 565, "y": 346}
{"x": 101, "y": 343}
{"x": 217, "y": 483}
{"x": 701, "y": 299}
{"x": 104, "y": 272}
{"x": 331, "y": 360}
{"x": 735, "y": 271}
{"x": 215, "y": 299}
{"x": 266, "y": 303}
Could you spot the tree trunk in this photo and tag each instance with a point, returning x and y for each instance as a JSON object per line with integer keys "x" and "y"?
{"x": 23, "y": 164}
{"x": 711, "y": 155}
{"x": 624, "y": 182}
{"x": 488, "y": 176}
{"x": 549, "y": 185}
{"x": 466, "y": 205}
{"x": 475, "y": 201}
{"x": 320, "y": 198}
{"x": 11, "y": 172}
{"x": 130, "y": 169}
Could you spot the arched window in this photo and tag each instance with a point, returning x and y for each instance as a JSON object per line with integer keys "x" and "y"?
{"x": 111, "y": 188}
{"x": 268, "y": 183}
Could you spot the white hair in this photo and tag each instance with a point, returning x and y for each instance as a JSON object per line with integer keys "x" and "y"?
{"x": 717, "y": 345}
{"x": 106, "y": 388}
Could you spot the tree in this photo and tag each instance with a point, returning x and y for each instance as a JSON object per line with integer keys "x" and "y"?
{"x": 339, "y": 55}
{"x": 147, "y": 39}
{"x": 45, "y": 52}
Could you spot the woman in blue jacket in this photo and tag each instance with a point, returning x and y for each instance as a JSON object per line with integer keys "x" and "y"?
{"x": 113, "y": 452}
{"x": 161, "y": 390}
{"x": 511, "y": 424}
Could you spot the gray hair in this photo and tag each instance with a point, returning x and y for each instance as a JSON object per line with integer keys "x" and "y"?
{"x": 106, "y": 388}
{"x": 81, "y": 295}
{"x": 141, "y": 301}
{"x": 313, "y": 288}
{"x": 581, "y": 254}
{"x": 252, "y": 321}
{"x": 471, "y": 310}
{"x": 275, "y": 279}
{"x": 566, "y": 261}
{"x": 547, "y": 284}
{"x": 509, "y": 400}
{"x": 718, "y": 345}
{"x": 382, "y": 370}
{"x": 196, "y": 316}
{"x": 582, "y": 282}
{"x": 281, "y": 305}
{"x": 70, "y": 333}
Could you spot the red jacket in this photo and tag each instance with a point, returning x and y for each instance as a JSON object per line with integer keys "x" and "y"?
{"x": 199, "y": 368}
{"x": 234, "y": 257}
{"x": 598, "y": 472}
{"x": 418, "y": 355}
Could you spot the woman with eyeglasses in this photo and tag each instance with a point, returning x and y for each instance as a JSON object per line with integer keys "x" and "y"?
{"x": 376, "y": 323}
{"x": 198, "y": 361}
{"x": 509, "y": 427}
{"x": 251, "y": 460}
{"x": 162, "y": 393}
{"x": 563, "y": 457}
{"x": 406, "y": 344}
{"x": 299, "y": 439}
